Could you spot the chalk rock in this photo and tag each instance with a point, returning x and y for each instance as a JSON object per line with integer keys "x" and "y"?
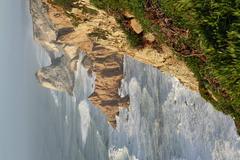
{"x": 149, "y": 37}
{"x": 128, "y": 15}
{"x": 57, "y": 76}
{"x": 136, "y": 26}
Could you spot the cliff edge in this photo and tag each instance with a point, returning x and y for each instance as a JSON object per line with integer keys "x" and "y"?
{"x": 83, "y": 28}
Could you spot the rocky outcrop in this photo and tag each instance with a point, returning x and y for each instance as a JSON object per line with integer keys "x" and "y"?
{"x": 149, "y": 37}
{"x": 64, "y": 45}
{"x": 136, "y": 26}
{"x": 44, "y": 30}
{"x": 58, "y": 76}
{"x": 108, "y": 68}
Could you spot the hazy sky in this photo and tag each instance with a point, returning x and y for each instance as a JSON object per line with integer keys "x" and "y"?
{"x": 25, "y": 115}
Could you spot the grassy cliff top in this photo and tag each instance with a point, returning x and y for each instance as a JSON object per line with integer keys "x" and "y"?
{"x": 206, "y": 34}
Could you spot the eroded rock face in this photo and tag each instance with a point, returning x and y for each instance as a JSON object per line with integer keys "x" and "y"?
{"x": 97, "y": 34}
{"x": 167, "y": 121}
{"x": 43, "y": 29}
{"x": 108, "y": 68}
{"x": 57, "y": 76}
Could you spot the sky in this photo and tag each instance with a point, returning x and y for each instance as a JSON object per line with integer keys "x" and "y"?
{"x": 26, "y": 126}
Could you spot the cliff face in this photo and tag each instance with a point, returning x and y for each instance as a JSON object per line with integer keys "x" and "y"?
{"x": 55, "y": 32}
{"x": 168, "y": 121}
{"x": 164, "y": 119}
{"x": 85, "y": 28}
{"x": 58, "y": 76}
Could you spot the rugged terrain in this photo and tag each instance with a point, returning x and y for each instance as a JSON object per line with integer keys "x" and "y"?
{"x": 66, "y": 32}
